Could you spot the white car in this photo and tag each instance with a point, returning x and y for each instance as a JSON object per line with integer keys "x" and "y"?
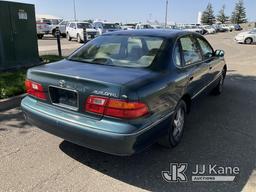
{"x": 227, "y": 27}
{"x": 106, "y": 27}
{"x": 76, "y": 30}
{"x": 144, "y": 26}
{"x": 247, "y": 37}
{"x": 193, "y": 28}
{"x": 209, "y": 29}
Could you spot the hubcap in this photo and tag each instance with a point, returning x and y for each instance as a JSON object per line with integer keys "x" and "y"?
{"x": 178, "y": 123}
{"x": 248, "y": 41}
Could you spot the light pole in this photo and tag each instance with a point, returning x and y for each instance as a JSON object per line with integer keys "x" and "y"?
{"x": 74, "y": 4}
{"x": 166, "y": 14}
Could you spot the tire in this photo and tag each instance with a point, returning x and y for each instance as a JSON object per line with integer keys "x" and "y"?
{"x": 176, "y": 127}
{"x": 248, "y": 40}
{"x": 68, "y": 37}
{"x": 219, "y": 88}
{"x": 79, "y": 40}
{"x": 40, "y": 36}
{"x": 54, "y": 33}
{"x": 64, "y": 35}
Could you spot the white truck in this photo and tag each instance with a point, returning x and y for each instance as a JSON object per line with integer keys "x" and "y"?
{"x": 52, "y": 22}
{"x": 42, "y": 29}
{"x": 76, "y": 30}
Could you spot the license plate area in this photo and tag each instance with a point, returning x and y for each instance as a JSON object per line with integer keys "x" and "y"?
{"x": 65, "y": 98}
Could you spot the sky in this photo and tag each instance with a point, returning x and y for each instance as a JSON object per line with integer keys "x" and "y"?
{"x": 179, "y": 11}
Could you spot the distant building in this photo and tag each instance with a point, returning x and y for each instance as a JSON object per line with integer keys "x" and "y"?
{"x": 199, "y": 18}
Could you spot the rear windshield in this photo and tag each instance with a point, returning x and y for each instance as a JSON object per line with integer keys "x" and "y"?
{"x": 120, "y": 50}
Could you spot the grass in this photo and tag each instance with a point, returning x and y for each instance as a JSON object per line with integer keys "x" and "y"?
{"x": 12, "y": 83}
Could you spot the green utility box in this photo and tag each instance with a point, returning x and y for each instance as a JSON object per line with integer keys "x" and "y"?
{"x": 18, "y": 36}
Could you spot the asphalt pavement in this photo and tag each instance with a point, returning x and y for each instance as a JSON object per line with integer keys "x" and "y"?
{"x": 220, "y": 130}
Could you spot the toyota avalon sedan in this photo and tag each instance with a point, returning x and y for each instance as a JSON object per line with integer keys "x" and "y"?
{"x": 124, "y": 91}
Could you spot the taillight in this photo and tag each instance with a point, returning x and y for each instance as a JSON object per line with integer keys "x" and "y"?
{"x": 35, "y": 89}
{"x": 115, "y": 108}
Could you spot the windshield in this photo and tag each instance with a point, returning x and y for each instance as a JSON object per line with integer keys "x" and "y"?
{"x": 119, "y": 50}
{"x": 83, "y": 25}
{"x": 111, "y": 26}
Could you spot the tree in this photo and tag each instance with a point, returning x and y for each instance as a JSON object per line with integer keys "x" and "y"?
{"x": 239, "y": 14}
{"x": 208, "y": 15}
{"x": 222, "y": 16}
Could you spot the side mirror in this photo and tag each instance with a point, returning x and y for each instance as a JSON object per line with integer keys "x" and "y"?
{"x": 219, "y": 53}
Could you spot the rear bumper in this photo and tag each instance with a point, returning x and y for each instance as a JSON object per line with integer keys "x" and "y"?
{"x": 88, "y": 133}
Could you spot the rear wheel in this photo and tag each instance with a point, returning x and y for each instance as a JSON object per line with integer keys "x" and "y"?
{"x": 176, "y": 126}
{"x": 248, "y": 40}
{"x": 40, "y": 36}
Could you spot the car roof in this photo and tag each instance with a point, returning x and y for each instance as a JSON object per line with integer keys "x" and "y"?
{"x": 164, "y": 33}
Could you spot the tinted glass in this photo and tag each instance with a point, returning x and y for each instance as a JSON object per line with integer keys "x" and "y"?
{"x": 122, "y": 50}
{"x": 83, "y": 25}
{"x": 191, "y": 51}
{"x": 111, "y": 26}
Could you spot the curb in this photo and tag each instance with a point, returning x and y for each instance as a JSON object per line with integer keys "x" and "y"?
{"x": 12, "y": 102}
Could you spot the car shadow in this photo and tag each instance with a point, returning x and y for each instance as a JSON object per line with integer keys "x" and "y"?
{"x": 219, "y": 130}
{"x": 13, "y": 119}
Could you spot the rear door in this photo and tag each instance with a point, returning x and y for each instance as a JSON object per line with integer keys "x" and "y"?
{"x": 193, "y": 64}
{"x": 212, "y": 62}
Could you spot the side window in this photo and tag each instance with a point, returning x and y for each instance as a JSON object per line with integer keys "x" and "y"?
{"x": 177, "y": 55}
{"x": 72, "y": 25}
{"x": 190, "y": 50}
{"x": 206, "y": 48}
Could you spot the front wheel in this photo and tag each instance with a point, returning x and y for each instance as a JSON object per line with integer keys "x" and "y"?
{"x": 248, "y": 40}
{"x": 176, "y": 127}
{"x": 68, "y": 37}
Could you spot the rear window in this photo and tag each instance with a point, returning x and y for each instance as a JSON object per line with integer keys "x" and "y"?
{"x": 120, "y": 50}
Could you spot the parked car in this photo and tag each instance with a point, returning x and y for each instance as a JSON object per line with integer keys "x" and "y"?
{"x": 51, "y": 21}
{"x": 237, "y": 27}
{"x": 129, "y": 26}
{"x": 42, "y": 29}
{"x": 219, "y": 28}
{"x": 76, "y": 29}
{"x": 227, "y": 27}
{"x": 62, "y": 28}
{"x": 247, "y": 37}
{"x": 125, "y": 90}
{"x": 194, "y": 28}
{"x": 144, "y": 26}
{"x": 209, "y": 29}
{"x": 106, "y": 27}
